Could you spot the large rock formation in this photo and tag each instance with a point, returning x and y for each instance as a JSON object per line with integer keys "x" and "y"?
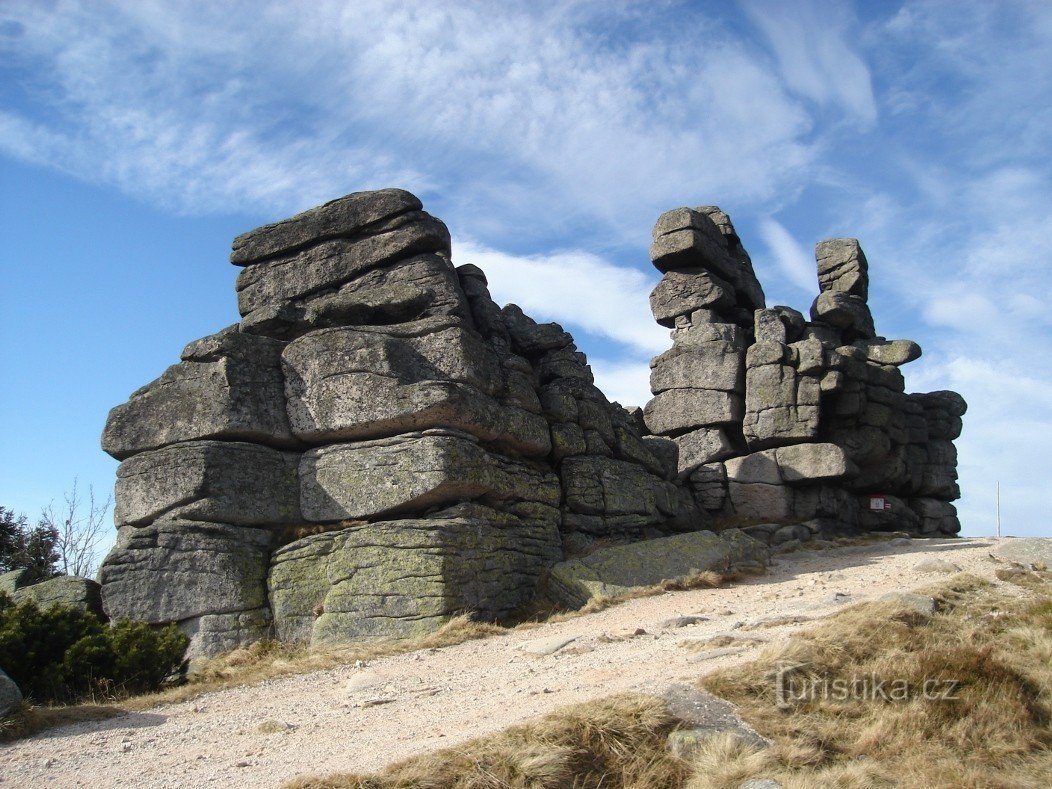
{"x": 377, "y": 446}
{"x": 780, "y": 418}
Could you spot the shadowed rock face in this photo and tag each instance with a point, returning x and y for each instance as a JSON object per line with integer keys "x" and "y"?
{"x": 377, "y": 446}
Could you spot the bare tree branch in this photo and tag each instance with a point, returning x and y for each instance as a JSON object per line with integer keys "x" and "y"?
{"x": 80, "y": 525}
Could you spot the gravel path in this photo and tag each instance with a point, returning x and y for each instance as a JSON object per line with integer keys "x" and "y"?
{"x": 363, "y": 718}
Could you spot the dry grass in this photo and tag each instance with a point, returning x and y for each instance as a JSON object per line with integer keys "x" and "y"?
{"x": 267, "y": 660}
{"x": 613, "y": 743}
{"x": 995, "y": 733}
{"x": 259, "y": 662}
{"x": 30, "y": 720}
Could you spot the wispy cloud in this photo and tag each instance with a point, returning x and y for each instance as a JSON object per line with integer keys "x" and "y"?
{"x": 575, "y": 288}
{"x": 795, "y": 262}
{"x": 812, "y": 44}
{"x": 529, "y": 112}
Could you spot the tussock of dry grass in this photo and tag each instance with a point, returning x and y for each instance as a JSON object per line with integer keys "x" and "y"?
{"x": 995, "y": 733}
{"x": 617, "y": 742}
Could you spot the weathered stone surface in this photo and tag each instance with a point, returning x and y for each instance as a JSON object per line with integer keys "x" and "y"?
{"x": 713, "y": 365}
{"x": 844, "y": 311}
{"x": 620, "y": 569}
{"x": 10, "y": 695}
{"x": 412, "y": 473}
{"x": 229, "y": 386}
{"x": 404, "y": 578}
{"x": 749, "y": 292}
{"x": 705, "y": 445}
{"x": 813, "y": 462}
{"x": 172, "y": 571}
{"x": 361, "y": 383}
{"x": 420, "y": 286}
{"x": 894, "y": 352}
{"x": 13, "y": 580}
{"x": 67, "y": 590}
{"x": 936, "y": 515}
{"x": 327, "y": 265}
{"x": 842, "y": 267}
{"x": 530, "y": 337}
{"x": 760, "y": 501}
{"x": 345, "y": 216}
{"x": 682, "y": 291}
{"x": 1026, "y": 550}
{"x": 667, "y": 452}
{"x": 679, "y": 410}
{"x": 781, "y": 406}
{"x": 213, "y": 634}
{"x": 604, "y": 486}
{"x": 708, "y": 483}
{"x": 216, "y": 481}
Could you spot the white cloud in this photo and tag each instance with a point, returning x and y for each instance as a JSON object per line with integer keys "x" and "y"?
{"x": 574, "y": 288}
{"x": 795, "y": 262}
{"x": 207, "y": 107}
{"x": 626, "y": 382}
{"x": 810, "y": 41}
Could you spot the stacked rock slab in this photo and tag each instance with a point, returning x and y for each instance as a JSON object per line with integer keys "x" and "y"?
{"x": 707, "y": 296}
{"x": 374, "y": 447}
{"x": 784, "y": 420}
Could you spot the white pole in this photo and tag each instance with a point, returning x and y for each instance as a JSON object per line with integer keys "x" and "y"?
{"x": 998, "y": 508}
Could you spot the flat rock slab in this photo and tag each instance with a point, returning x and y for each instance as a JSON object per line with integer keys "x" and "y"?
{"x": 936, "y": 566}
{"x": 67, "y": 590}
{"x": 1026, "y": 550}
{"x": 700, "y": 712}
{"x": 620, "y": 569}
{"x": 543, "y": 647}
{"x": 920, "y": 603}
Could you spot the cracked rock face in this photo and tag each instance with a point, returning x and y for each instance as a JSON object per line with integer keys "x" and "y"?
{"x": 377, "y": 445}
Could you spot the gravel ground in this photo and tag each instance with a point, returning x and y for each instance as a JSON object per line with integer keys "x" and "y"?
{"x": 361, "y": 718}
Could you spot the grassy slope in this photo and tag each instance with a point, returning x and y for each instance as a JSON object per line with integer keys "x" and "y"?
{"x": 996, "y": 734}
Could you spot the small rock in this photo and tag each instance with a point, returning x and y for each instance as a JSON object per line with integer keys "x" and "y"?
{"x": 376, "y": 702}
{"x": 760, "y": 783}
{"x": 922, "y": 604}
{"x": 712, "y": 654}
{"x": 546, "y": 646}
{"x": 900, "y": 541}
{"x": 936, "y": 566}
{"x": 682, "y": 621}
{"x": 364, "y": 681}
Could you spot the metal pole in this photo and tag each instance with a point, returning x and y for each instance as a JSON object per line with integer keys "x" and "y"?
{"x": 998, "y": 508}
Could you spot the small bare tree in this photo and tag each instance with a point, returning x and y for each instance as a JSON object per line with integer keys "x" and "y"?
{"x": 80, "y": 525}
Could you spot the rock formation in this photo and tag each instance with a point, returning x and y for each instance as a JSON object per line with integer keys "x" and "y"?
{"x": 377, "y": 445}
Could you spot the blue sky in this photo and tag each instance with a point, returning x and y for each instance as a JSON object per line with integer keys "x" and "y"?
{"x": 137, "y": 138}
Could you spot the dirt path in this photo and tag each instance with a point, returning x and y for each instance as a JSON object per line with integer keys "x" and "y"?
{"x": 437, "y": 698}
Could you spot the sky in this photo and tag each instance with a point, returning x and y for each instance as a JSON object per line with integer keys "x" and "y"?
{"x": 138, "y": 138}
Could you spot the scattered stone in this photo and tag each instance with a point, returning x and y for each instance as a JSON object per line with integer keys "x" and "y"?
{"x": 542, "y": 647}
{"x": 936, "y": 566}
{"x": 704, "y": 715}
{"x": 682, "y": 621}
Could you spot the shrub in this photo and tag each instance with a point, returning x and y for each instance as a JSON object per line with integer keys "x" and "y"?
{"x": 64, "y": 654}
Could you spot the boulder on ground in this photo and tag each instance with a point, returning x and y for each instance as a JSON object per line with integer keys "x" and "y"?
{"x": 621, "y": 569}
{"x": 405, "y": 578}
{"x": 68, "y": 590}
{"x": 10, "y": 695}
